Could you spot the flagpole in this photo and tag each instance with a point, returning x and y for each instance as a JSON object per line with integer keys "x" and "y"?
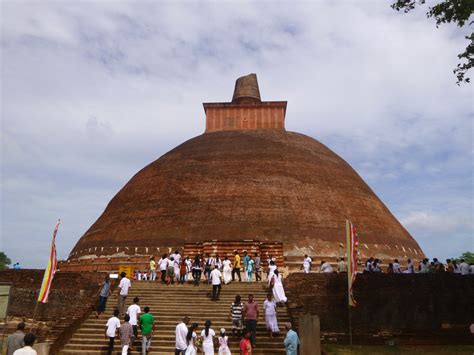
{"x": 349, "y": 276}
{"x": 350, "y": 324}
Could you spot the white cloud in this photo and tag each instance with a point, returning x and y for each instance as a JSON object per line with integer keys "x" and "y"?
{"x": 93, "y": 91}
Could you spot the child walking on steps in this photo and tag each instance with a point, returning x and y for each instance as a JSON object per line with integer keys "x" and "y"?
{"x": 224, "y": 343}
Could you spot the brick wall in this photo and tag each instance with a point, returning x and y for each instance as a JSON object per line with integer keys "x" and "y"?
{"x": 227, "y": 116}
{"x": 72, "y": 295}
{"x": 419, "y": 305}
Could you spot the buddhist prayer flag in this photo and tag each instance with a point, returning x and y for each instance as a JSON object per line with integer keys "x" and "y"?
{"x": 351, "y": 260}
{"x": 50, "y": 269}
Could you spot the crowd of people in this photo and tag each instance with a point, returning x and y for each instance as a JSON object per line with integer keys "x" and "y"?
{"x": 425, "y": 266}
{"x": 174, "y": 268}
{"x": 243, "y": 319}
{"x": 374, "y": 265}
{"x": 20, "y": 343}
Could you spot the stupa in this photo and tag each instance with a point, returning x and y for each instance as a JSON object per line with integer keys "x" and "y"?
{"x": 249, "y": 180}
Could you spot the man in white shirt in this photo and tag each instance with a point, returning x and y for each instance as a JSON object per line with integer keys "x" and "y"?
{"x": 113, "y": 324}
{"x": 124, "y": 285}
{"x": 326, "y": 267}
{"x": 181, "y": 333}
{"x": 396, "y": 267}
{"x": 307, "y": 264}
{"x": 342, "y": 265}
{"x": 464, "y": 267}
{"x": 177, "y": 256}
{"x": 29, "y": 340}
{"x": 216, "y": 277}
{"x": 133, "y": 311}
{"x": 163, "y": 267}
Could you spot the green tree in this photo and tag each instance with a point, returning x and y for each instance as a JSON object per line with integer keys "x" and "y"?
{"x": 4, "y": 261}
{"x": 467, "y": 256}
{"x": 447, "y": 11}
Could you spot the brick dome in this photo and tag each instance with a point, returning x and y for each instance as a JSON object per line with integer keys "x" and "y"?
{"x": 247, "y": 178}
{"x": 260, "y": 185}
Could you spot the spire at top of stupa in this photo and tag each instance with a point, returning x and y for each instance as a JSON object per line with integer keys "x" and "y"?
{"x": 246, "y": 90}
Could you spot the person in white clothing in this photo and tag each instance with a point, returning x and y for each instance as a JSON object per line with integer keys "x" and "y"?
{"x": 163, "y": 267}
{"x": 326, "y": 267}
{"x": 123, "y": 286}
{"x": 177, "y": 256}
{"x": 341, "y": 265}
{"x": 471, "y": 268}
{"x": 207, "y": 336}
{"x": 227, "y": 270}
{"x": 269, "y": 307}
{"x": 396, "y": 267}
{"x": 181, "y": 334}
{"x": 177, "y": 271}
{"x": 216, "y": 278}
{"x": 410, "y": 267}
{"x": 189, "y": 266}
{"x": 133, "y": 311}
{"x": 190, "y": 339}
{"x": 464, "y": 267}
{"x": 271, "y": 270}
{"x": 113, "y": 324}
{"x": 29, "y": 340}
{"x": 278, "y": 290}
{"x": 307, "y": 261}
{"x": 223, "y": 343}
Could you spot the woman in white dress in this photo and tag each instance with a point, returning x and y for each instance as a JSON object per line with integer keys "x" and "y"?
{"x": 278, "y": 291}
{"x": 271, "y": 271}
{"x": 207, "y": 336}
{"x": 227, "y": 270}
{"x": 190, "y": 338}
{"x": 269, "y": 306}
{"x": 224, "y": 343}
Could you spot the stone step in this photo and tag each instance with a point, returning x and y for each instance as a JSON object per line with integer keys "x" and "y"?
{"x": 93, "y": 350}
{"x": 160, "y": 340}
{"x": 168, "y": 304}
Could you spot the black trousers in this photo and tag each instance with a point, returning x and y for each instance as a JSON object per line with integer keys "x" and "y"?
{"x": 196, "y": 276}
{"x": 163, "y": 276}
{"x": 258, "y": 275}
{"x": 111, "y": 345}
{"x": 236, "y": 270}
{"x": 216, "y": 291}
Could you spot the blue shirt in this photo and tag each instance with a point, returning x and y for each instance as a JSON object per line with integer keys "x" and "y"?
{"x": 291, "y": 342}
{"x": 105, "y": 289}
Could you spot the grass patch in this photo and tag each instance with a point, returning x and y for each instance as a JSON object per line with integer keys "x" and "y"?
{"x": 334, "y": 349}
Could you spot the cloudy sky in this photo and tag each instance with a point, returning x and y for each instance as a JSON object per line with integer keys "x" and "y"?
{"x": 93, "y": 91}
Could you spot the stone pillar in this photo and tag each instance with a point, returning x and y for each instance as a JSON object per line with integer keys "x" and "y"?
{"x": 309, "y": 332}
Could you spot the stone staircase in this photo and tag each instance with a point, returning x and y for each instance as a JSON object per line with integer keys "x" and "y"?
{"x": 168, "y": 304}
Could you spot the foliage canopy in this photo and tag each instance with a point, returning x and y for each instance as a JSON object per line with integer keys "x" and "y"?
{"x": 447, "y": 11}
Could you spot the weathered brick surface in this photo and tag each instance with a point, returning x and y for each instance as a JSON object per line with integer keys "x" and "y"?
{"x": 263, "y": 185}
{"x": 413, "y": 304}
{"x": 72, "y": 295}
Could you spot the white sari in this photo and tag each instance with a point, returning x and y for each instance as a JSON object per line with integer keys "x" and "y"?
{"x": 278, "y": 291}
{"x": 227, "y": 272}
{"x": 271, "y": 272}
{"x": 191, "y": 349}
{"x": 271, "y": 316}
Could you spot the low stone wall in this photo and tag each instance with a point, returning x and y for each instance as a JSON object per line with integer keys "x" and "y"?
{"x": 72, "y": 295}
{"x": 415, "y": 306}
